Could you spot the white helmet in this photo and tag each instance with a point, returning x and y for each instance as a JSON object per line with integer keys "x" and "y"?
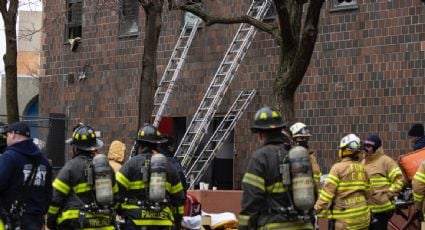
{"x": 352, "y": 142}
{"x": 299, "y": 129}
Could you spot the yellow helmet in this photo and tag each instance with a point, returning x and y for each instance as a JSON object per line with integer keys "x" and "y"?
{"x": 349, "y": 145}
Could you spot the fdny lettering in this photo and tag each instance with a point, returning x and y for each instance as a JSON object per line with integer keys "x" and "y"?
{"x": 150, "y": 214}
{"x": 357, "y": 172}
{"x": 40, "y": 174}
{"x": 98, "y": 222}
{"x": 354, "y": 200}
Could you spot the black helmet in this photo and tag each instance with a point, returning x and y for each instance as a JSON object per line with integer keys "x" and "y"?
{"x": 148, "y": 133}
{"x": 267, "y": 118}
{"x": 3, "y": 135}
{"x": 84, "y": 138}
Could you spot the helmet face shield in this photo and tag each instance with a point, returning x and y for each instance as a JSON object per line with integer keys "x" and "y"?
{"x": 267, "y": 118}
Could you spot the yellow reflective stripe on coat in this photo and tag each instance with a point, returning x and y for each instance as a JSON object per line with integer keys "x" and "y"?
{"x": 379, "y": 181}
{"x": 293, "y": 225}
{"x": 397, "y": 185}
{"x": 173, "y": 189}
{"x": 243, "y": 220}
{"x": 332, "y": 180}
{"x": 377, "y": 208}
{"x": 418, "y": 197}
{"x": 277, "y": 187}
{"x": 115, "y": 188}
{"x": 326, "y": 196}
{"x": 129, "y": 185}
{"x": 322, "y": 213}
{"x": 146, "y": 222}
{"x": 180, "y": 209}
{"x": 394, "y": 173}
{"x": 61, "y": 186}
{"x": 254, "y": 180}
{"x": 2, "y": 225}
{"x": 75, "y": 213}
{"x": 354, "y": 185}
{"x": 349, "y": 212}
{"x": 53, "y": 209}
{"x": 83, "y": 187}
{"x": 419, "y": 176}
{"x": 101, "y": 228}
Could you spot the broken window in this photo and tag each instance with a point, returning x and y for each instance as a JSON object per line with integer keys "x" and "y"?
{"x": 73, "y": 19}
{"x": 129, "y": 17}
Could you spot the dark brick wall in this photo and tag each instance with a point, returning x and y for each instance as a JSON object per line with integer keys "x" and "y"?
{"x": 366, "y": 75}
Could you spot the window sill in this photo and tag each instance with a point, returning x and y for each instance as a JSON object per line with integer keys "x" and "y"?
{"x": 132, "y": 35}
{"x": 344, "y": 8}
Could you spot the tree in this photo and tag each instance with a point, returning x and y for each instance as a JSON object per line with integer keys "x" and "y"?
{"x": 148, "y": 78}
{"x": 295, "y": 35}
{"x": 9, "y": 11}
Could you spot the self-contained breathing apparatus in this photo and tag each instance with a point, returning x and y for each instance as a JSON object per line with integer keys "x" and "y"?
{"x": 98, "y": 175}
{"x": 296, "y": 172}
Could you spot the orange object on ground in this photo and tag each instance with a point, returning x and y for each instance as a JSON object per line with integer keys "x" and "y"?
{"x": 410, "y": 162}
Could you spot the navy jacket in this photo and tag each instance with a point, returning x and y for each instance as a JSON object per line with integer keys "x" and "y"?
{"x": 16, "y": 162}
{"x": 419, "y": 144}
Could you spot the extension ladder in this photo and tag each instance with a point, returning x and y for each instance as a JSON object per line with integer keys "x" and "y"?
{"x": 199, "y": 166}
{"x": 218, "y": 87}
{"x": 172, "y": 70}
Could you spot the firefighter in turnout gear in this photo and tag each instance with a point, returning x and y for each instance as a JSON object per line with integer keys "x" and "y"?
{"x": 300, "y": 136}
{"x": 344, "y": 195}
{"x": 418, "y": 185}
{"x": 77, "y": 203}
{"x": 386, "y": 180}
{"x": 267, "y": 201}
{"x": 151, "y": 191}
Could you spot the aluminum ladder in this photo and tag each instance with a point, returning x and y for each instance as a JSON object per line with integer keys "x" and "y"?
{"x": 171, "y": 73}
{"x": 218, "y": 87}
{"x": 199, "y": 166}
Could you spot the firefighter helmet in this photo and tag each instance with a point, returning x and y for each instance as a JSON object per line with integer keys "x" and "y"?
{"x": 84, "y": 138}
{"x": 150, "y": 134}
{"x": 300, "y": 129}
{"x": 267, "y": 118}
{"x": 352, "y": 143}
{"x": 3, "y": 135}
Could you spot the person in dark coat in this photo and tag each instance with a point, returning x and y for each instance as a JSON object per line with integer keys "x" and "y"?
{"x": 416, "y": 136}
{"x": 25, "y": 180}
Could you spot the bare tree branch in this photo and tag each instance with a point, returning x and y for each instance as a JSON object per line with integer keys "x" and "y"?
{"x": 210, "y": 20}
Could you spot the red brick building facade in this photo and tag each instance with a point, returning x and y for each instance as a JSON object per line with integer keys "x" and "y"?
{"x": 366, "y": 74}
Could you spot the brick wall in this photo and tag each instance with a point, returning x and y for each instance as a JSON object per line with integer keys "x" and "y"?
{"x": 366, "y": 75}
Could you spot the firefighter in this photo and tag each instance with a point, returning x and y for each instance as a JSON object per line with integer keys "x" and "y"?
{"x": 151, "y": 191}
{"x": 78, "y": 201}
{"x": 343, "y": 197}
{"x": 386, "y": 181}
{"x": 3, "y": 137}
{"x": 300, "y": 136}
{"x": 266, "y": 200}
{"x": 418, "y": 186}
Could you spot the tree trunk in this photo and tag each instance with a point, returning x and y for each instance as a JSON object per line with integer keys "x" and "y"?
{"x": 148, "y": 78}
{"x": 11, "y": 70}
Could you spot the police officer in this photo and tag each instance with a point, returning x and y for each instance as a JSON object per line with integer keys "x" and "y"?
{"x": 346, "y": 190}
{"x": 76, "y": 204}
{"x": 266, "y": 201}
{"x": 151, "y": 191}
{"x": 3, "y": 137}
{"x": 300, "y": 136}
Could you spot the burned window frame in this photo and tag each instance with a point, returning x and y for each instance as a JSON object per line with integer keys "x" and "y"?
{"x": 128, "y": 15}
{"x": 338, "y": 6}
{"x": 74, "y": 19}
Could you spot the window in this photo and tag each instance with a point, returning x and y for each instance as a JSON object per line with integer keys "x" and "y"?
{"x": 188, "y": 17}
{"x": 338, "y": 5}
{"x": 73, "y": 19}
{"x": 129, "y": 18}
